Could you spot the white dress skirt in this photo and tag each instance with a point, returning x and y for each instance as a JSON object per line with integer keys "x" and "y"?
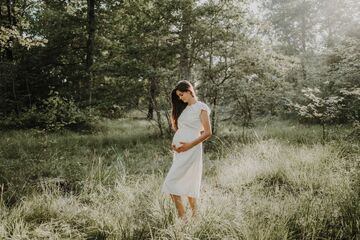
{"x": 184, "y": 176}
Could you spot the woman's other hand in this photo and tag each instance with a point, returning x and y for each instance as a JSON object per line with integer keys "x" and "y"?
{"x": 184, "y": 147}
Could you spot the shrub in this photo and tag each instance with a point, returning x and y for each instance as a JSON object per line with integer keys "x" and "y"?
{"x": 324, "y": 110}
{"x": 52, "y": 114}
{"x": 60, "y": 112}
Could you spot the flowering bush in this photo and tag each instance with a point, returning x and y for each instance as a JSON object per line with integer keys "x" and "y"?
{"x": 321, "y": 109}
{"x": 324, "y": 110}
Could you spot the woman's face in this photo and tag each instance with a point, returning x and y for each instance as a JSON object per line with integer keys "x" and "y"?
{"x": 184, "y": 96}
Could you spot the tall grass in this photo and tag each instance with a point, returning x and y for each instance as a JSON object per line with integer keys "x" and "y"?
{"x": 26, "y": 157}
{"x": 265, "y": 184}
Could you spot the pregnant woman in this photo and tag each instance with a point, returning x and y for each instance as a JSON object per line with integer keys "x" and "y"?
{"x": 190, "y": 120}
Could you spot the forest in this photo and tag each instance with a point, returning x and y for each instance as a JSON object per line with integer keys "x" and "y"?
{"x": 85, "y": 117}
{"x": 63, "y": 62}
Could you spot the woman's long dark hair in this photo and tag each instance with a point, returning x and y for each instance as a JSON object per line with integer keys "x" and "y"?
{"x": 178, "y": 105}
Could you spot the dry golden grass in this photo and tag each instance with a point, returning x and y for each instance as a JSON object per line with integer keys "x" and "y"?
{"x": 107, "y": 186}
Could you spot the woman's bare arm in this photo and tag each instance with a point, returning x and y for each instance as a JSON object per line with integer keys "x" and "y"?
{"x": 205, "y": 121}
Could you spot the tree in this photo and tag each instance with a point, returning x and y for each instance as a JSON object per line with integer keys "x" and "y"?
{"x": 90, "y": 46}
{"x": 294, "y": 24}
{"x": 141, "y": 47}
{"x": 15, "y": 38}
{"x": 321, "y": 109}
{"x": 217, "y": 59}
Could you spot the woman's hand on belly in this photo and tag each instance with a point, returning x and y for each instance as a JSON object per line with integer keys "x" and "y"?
{"x": 184, "y": 147}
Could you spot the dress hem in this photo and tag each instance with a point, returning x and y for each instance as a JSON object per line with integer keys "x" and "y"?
{"x": 182, "y": 194}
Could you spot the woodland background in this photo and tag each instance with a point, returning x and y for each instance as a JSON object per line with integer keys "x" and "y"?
{"x": 85, "y": 107}
{"x": 63, "y": 62}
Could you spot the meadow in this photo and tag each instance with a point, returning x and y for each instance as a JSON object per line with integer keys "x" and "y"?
{"x": 274, "y": 181}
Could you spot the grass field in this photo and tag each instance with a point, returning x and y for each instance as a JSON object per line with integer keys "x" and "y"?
{"x": 275, "y": 181}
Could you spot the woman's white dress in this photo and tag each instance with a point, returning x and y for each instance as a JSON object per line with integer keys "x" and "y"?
{"x": 184, "y": 176}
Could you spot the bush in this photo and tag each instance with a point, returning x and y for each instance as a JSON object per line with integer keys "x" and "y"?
{"x": 111, "y": 111}
{"x": 52, "y": 114}
{"x": 60, "y": 112}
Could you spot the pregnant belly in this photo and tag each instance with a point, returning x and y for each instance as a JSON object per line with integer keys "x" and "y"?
{"x": 184, "y": 135}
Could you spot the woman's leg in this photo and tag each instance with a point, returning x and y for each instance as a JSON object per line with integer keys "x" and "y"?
{"x": 193, "y": 205}
{"x": 179, "y": 205}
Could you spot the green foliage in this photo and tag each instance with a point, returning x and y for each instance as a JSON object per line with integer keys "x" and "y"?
{"x": 9, "y": 35}
{"x": 351, "y": 108}
{"x": 323, "y": 36}
{"x": 243, "y": 65}
{"x": 293, "y": 23}
{"x": 354, "y": 135}
{"x": 323, "y": 110}
{"x": 53, "y": 114}
{"x": 342, "y": 75}
{"x": 60, "y": 112}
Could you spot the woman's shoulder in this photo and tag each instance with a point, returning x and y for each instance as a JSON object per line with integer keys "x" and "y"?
{"x": 201, "y": 103}
{"x": 203, "y": 106}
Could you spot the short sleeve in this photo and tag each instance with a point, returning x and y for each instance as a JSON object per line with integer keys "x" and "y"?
{"x": 205, "y": 107}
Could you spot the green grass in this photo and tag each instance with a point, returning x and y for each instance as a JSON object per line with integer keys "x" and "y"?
{"x": 274, "y": 181}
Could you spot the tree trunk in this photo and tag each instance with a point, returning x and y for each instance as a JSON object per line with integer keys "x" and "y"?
{"x": 185, "y": 65}
{"x": 163, "y": 87}
{"x": 303, "y": 69}
{"x": 211, "y": 78}
{"x": 8, "y": 50}
{"x": 303, "y": 45}
{"x": 152, "y": 92}
{"x": 28, "y": 92}
{"x": 1, "y": 20}
{"x": 150, "y": 114}
{"x": 153, "y": 100}
{"x": 248, "y": 115}
{"x": 158, "y": 115}
{"x": 214, "y": 115}
{"x": 323, "y": 134}
{"x": 90, "y": 47}
{"x": 169, "y": 127}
